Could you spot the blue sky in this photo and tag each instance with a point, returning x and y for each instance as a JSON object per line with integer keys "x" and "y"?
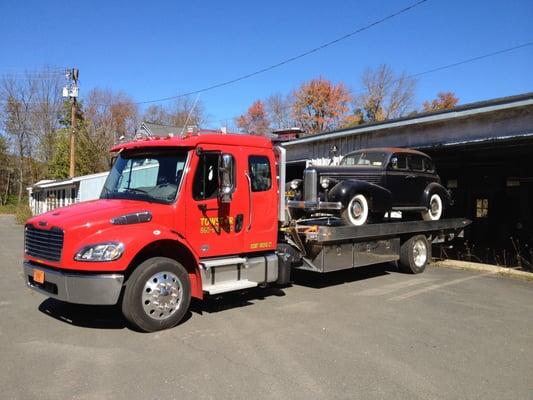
{"x": 162, "y": 48}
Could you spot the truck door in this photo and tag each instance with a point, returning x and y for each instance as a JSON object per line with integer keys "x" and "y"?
{"x": 261, "y": 224}
{"x": 215, "y": 228}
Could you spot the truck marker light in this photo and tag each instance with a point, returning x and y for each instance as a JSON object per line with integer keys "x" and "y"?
{"x": 157, "y": 232}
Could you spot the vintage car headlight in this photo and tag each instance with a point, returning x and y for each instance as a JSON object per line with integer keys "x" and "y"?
{"x": 294, "y": 184}
{"x": 100, "y": 252}
{"x": 324, "y": 182}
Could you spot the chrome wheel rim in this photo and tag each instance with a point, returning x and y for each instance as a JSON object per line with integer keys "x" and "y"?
{"x": 161, "y": 295}
{"x": 420, "y": 253}
{"x": 434, "y": 207}
{"x": 357, "y": 210}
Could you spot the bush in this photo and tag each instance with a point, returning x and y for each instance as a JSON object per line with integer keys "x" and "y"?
{"x": 23, "y": 213}
{"x": 12, "y": 200}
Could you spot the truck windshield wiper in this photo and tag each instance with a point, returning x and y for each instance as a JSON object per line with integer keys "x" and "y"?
{"x": 136, "y": 190}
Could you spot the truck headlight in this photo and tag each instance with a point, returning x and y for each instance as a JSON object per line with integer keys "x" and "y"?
{"x": 294, "y": 184}
{"x": 325, "y": 183}
{"x": 100, "y": 252}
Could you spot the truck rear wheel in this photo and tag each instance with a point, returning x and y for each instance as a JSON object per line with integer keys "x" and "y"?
{"x": 157, "y": 294}
{"x": 415, "y": 254}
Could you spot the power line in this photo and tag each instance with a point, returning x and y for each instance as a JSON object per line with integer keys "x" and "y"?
{"x": 442, "y": 67}
{"x": 469, "y": 60}
{"x": 288, "y": 60}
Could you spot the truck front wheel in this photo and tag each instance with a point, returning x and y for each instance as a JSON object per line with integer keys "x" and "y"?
{"x": 157, "y": 294}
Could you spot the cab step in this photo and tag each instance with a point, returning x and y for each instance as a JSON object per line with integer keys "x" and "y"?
{"x": 229, "y": 286}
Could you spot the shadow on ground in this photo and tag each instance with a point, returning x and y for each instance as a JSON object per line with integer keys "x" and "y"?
{"x": 318, "y": 281}
{"x": 100, "y": 317}
{"x": 110, "y": 317}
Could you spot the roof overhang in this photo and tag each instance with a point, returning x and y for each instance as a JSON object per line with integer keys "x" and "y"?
{"x": 447, "y": 116}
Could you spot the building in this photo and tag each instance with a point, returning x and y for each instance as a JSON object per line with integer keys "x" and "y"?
{"x": 483, "y": 155}
{"x": 47, "y": 195}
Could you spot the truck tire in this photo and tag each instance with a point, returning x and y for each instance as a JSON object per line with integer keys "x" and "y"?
{"x": 157, "y": 294}
{"x": 415, "y": 254}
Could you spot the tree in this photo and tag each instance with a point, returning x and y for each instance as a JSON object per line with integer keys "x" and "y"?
{"x": 16, "y": 123}
{"x": 91, "y": 154}
{"x": 254, "y": 121}
{"x": 443, "y": 101}
{"x": 182, "y": 112}
{"x": 385, "y": 95}
{"x": 319, "y": 105}
{"x": 106, "y": 117}
{"x": 278, "y": 108}
{"x": 6, "y": 171}
{"x": 44, "y": 118}
{"x": 29, "y": 108}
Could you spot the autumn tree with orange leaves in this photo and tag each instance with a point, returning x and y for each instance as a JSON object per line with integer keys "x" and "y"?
{"x": 443, "y": 101}
{"x": 319, "y": 105}
{"x": 255, "y": 120}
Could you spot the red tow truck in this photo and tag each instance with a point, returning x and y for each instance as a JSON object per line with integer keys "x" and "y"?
{"x": 198, "y": 215}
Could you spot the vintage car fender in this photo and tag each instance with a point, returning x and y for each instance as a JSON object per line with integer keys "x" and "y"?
{"x": 436, "y": 188}
{"x": 380, "y": 199}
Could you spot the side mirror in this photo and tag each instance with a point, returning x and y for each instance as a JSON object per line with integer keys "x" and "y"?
{"x": 226, "y": 178}
{"x": 394, "y": 162}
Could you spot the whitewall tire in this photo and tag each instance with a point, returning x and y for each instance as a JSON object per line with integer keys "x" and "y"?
{"x": 434, "y": 211}
{"x": 356, "y": 213}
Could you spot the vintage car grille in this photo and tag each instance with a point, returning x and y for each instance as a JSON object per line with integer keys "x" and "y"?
{"x": 362, "y": 177}
{"x": 45, "y": 244}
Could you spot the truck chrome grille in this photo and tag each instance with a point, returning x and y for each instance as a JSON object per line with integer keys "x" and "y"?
{"x": 45, "y": 244}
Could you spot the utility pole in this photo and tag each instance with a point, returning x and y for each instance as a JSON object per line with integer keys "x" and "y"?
{"x": 71, "y": 91}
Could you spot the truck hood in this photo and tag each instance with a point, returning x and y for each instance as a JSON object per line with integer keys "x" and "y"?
{"x": 91, "y": 213}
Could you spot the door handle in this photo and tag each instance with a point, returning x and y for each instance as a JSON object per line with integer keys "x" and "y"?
{"x": 410, "y": 177}
{"x": 249, "y": 199}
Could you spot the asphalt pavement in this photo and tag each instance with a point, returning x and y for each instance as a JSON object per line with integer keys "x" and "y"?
{"x": 370, "y": 333}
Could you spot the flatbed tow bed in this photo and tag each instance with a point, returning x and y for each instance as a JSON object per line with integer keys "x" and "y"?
{"x": 325, "y": 246}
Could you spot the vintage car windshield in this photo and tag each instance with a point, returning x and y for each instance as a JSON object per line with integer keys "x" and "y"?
{"x": 365, "y": 159}
{"x": 145, "y": 176}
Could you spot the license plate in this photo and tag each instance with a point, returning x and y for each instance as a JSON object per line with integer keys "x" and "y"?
{"x": 38, "y": 276}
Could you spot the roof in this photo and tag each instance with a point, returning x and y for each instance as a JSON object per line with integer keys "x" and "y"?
{"x": 390, "y": 150}
{"x": 193, "y": 140}
{"x": 50, "y": 183}
{"x": 153, "y": 129}
{"x": 465, "y": 110}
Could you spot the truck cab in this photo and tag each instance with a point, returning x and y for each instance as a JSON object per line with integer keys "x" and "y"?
{"x": 171, "y": 213}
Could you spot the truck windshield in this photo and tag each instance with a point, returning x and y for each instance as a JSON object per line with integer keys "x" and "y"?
{"x": 365, "y": 159}
{"x": 145, "y": 176}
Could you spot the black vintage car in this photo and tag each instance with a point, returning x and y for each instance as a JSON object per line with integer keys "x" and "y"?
{"x": 370, "y": 183}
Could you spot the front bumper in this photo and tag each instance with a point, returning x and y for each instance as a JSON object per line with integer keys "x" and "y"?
{"x": 101, "y": 289}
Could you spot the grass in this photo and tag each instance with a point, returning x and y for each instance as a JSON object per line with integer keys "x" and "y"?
{"x": 8, "y": 209}
{"x": 21, "y": 213}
